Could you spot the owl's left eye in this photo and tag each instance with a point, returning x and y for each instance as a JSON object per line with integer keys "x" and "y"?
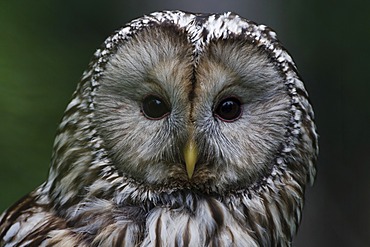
{"x": 229, "y": 109}
{"x": 154, "y": 108}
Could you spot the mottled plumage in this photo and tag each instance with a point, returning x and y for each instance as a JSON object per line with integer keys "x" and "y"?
{"x": 219, "y": 87}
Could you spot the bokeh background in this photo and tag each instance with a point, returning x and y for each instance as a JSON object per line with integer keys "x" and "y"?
{"x": 46, "y": 45}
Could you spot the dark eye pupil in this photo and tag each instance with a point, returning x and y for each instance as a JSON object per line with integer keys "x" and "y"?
{"x": 229, "y": 109}
{"x": 154, "y": 108}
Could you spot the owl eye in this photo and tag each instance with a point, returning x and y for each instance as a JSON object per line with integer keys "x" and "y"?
{"x": 228, "y": 109}
{"x": 154, "y": 108}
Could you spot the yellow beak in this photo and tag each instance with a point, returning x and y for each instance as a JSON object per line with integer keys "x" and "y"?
{"x": 191, "y": 156}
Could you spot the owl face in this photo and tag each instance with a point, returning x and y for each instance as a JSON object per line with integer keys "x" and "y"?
{"x": 159, "y": 92}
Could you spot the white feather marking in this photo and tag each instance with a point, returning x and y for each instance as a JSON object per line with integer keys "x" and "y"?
{"x": 13, "y": 230}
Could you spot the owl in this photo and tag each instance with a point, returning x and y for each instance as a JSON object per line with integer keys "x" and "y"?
{"x": 185, "y": 130}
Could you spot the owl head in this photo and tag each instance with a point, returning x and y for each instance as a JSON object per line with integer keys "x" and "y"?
{"x": 179, "y": 101}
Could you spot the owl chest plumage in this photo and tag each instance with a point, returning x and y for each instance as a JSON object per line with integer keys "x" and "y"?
{"x": 204, "y": 221}
{"x": 210, "y": 223}
{"x": 177, "y": 219}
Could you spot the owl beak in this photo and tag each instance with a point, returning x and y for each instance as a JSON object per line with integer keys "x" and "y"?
{"x": 191, "y": 156}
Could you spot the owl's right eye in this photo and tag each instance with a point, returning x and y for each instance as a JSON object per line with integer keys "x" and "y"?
{"x": 154, "y": 108}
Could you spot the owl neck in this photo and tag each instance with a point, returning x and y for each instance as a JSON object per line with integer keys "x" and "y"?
{"x": 274, "y": 202}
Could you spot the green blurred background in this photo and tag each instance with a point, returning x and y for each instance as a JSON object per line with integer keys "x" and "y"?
{"x": 46, "y": 45}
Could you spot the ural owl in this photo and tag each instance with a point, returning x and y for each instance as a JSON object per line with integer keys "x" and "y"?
{"x": 185, "y": 130}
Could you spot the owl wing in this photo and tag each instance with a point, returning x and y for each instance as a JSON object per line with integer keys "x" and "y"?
{"x": 33, "y": 222}
{"x": 28, "y": 222}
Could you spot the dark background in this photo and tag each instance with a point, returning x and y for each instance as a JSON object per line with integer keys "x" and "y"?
{"x": 46, "y": 45}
